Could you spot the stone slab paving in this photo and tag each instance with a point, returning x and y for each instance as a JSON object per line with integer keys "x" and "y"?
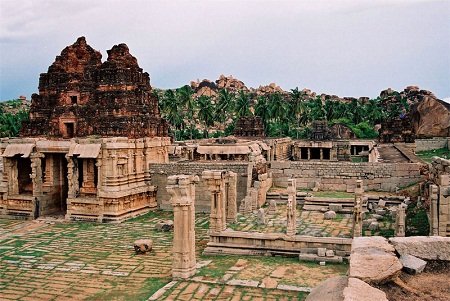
{"x": 309, "y": 223}
{"x": 42, "y": 260}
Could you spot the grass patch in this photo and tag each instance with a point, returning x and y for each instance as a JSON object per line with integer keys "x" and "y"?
{"x": 333, "y": 194}
{"x": 417, "y": 221}
{"x": 219, "y": 265}
{"x": 160, "y": 214}
{"x": 427, "y": 156}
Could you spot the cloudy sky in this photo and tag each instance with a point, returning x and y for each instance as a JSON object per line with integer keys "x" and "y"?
{"x": 347, "y": 48}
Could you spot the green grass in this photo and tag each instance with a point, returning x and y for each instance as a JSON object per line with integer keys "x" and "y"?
{"x": 218, "y": 267}
{"x": 427, "y": 156}
{"x": 333, "y": 194}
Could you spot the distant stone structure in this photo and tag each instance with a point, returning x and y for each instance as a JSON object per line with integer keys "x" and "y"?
{"x": 249, "y": 126}
{"x": 182, "y": 191}
{"x": 215, "y": 180}
{"x": 94, "y": 129}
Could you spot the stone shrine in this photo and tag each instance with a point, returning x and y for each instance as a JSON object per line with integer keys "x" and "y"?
{"x": 105, "y": 130}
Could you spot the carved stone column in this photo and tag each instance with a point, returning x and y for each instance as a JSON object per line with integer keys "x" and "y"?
{"x": 36, "y": 173}
{"x": 231, "y": 197}
{"x": 400, "y": 221}
{"x": 291, "y": 208}
{"x": 434, "y": 210}
{"x": 215, "y": 179}
{"x": 357, "y": 209}
{"x": 182, "y": 191}
{"x": 72, "y": 176}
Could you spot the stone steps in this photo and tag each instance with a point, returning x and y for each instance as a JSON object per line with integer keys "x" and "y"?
{"x": 323, "y": 204}
{"x": 281, "y": 197}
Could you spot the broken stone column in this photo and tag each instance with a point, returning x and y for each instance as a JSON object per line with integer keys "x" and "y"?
{"x": 231, "y": 195}
{"x": 215, "y": 179}
{"x": 357, "y": 209}
{"x": 400, "y": 221}
{"x": 182, "y": 191}
{"x": 272, "y": 207}
{"x": 253, "y": 193}
{"x": 291, "y": 210}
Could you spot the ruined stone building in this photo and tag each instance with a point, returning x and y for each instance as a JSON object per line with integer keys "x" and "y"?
{"x": 94, "y": 129}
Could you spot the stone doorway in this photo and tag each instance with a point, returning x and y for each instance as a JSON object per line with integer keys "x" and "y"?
{"x": 55, "y": 185}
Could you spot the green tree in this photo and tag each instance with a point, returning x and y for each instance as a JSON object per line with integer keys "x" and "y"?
{"x": 225, "y": 104}
{"x": 242, "y": 107}
{"x": 186, "y": 100}
{"x": 205, "y": 112}
{"x": 262, "y": 110}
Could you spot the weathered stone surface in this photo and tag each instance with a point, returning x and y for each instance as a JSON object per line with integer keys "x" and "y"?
{"x": 142, "y": 246}
{"x": 373, "y": 260}
{"x": 412, "y": 265}
{"x": 329, "y": 215}
{"x": 321, "y": 252}
{"x": 329, "y": 290}
{"x": 424, "y": 247}
{"x": 358, "y": 290}
{"x": 335, "y": 207}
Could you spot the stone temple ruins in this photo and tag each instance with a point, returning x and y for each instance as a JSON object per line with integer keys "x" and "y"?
{"x": 96, "y": 154}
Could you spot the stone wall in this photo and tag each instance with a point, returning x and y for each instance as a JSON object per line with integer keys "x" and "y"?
{"x": 341, "y": 176}
{"x": 161, "y": 171}
{"x": 430, "y": 144}
{"x": 439, "y": 197}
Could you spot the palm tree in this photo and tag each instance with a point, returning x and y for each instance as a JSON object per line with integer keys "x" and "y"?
{"x": 225, "y": 104}
{"x": 262, "y": 110}
{"x": 206, "y": 112}
{"x": 317, "y": 111}
{"x": 171, "y": 110}
{"x": 242, "y": 107}
{"x": 185, "y": 99}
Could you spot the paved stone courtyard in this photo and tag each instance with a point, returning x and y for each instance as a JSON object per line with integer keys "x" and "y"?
{"x": 308, "y": 223}
{"x": 44, "y": 260}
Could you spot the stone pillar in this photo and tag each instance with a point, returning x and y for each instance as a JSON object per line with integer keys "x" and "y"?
{"x": 36, "y": 173}
{"x": 434, "y": 194}
{"x": 182, "y": 191}
{"x": 88, "y": 185}
{"x": 72, "y": 176}
{"x": 291, "y": 208}
{"x": 357, "y": 209}
{"x": 215, "y": 179}
{"x": 400, "y": 221}
{"x": 231, "y": 193}
{"x": 10, "y": 168}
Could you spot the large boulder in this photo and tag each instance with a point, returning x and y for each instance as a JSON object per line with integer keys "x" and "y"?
{"x": 373, "y": 260}
{"x": 431, "y": 118}
{"x": 358, "y": 290}
{"x": 424, "y": 247}
{"x": 343, "y": 288}
{"x": 329, "y": 290}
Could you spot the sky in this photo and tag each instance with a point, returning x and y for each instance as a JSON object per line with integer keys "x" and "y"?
{"x": 346, "y": 48}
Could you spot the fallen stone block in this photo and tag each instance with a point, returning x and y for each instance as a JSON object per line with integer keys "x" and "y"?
{"x": 321, "y": 252}
{"x": 329, "y": 215}
{"x": 164, "y": 226}
{"x": 142, "y": 246}
{"x": 373, "y": 260}
{"x": 412, "y": 265}
{"x": 423, "y": 247}
{"x": 374, "y": 226}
